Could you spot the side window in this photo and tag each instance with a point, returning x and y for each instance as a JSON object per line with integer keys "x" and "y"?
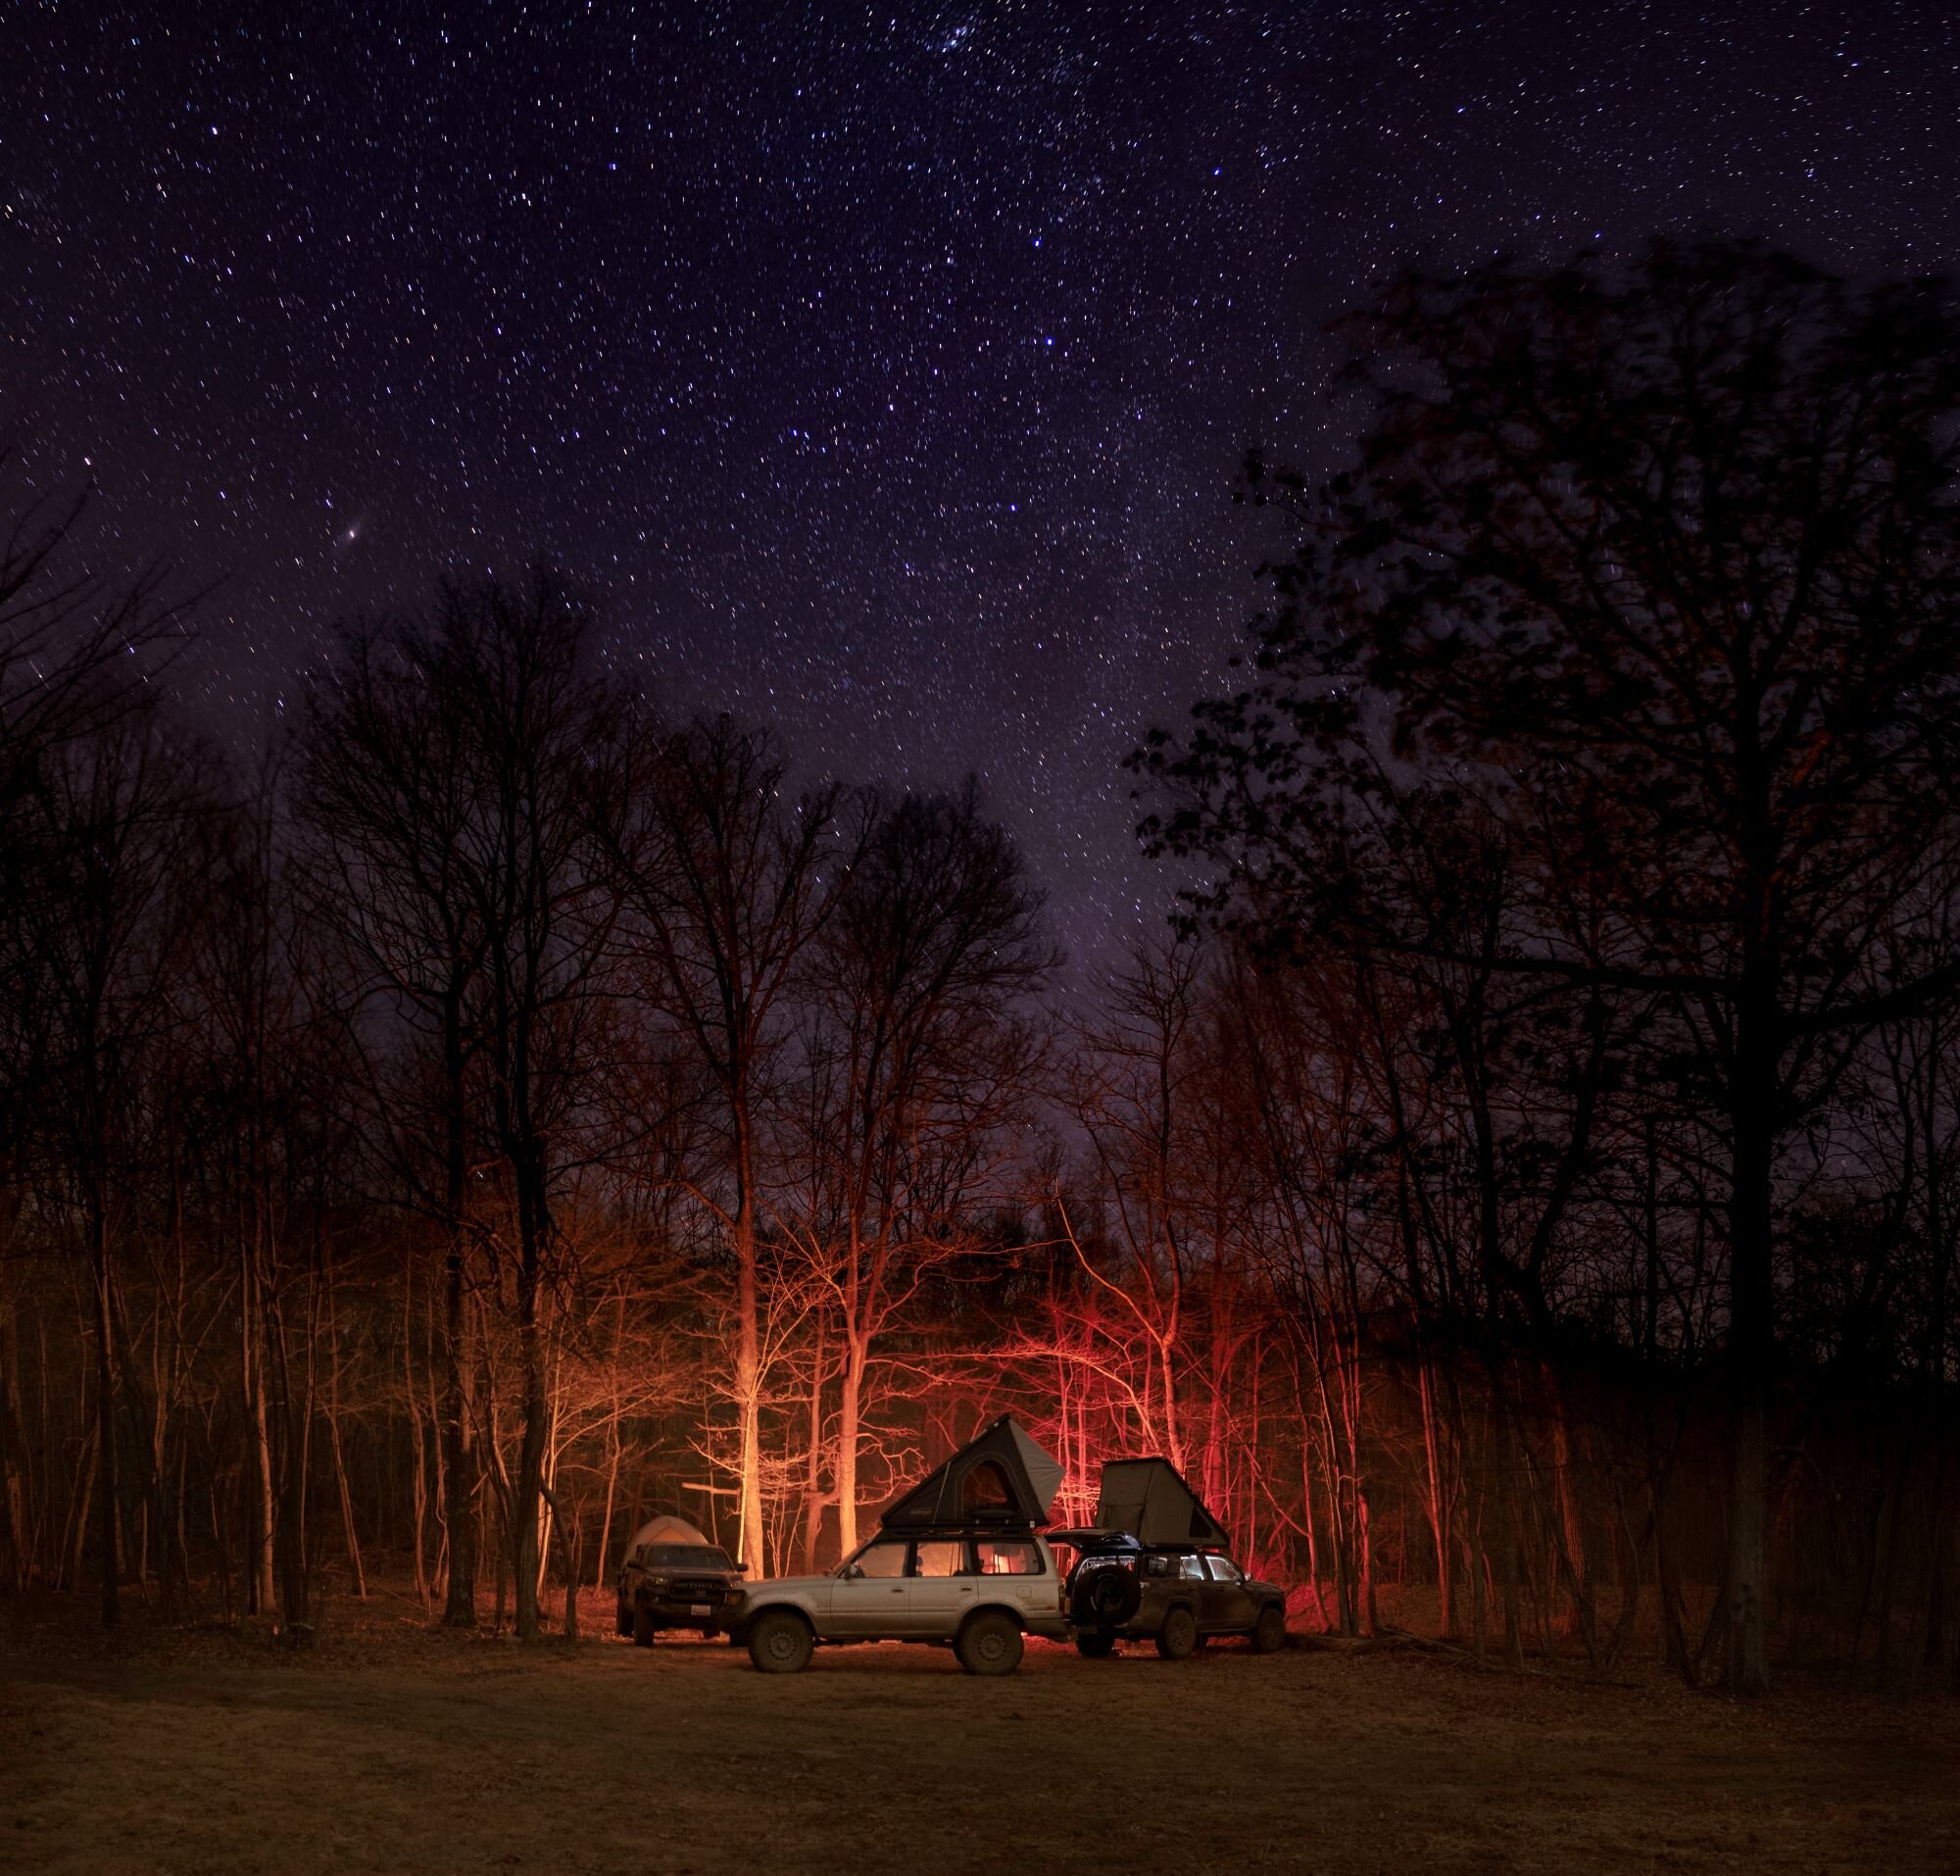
{"x": 882, "y": 1560}
{"x": 1189, "y": 1567}
{"x": 1008, "y": 1557}
{"x": 940, "y": 1557}
{"x": 985, "y": 1488}
{"x": 1157, "y": 1565}
{"x": 1224, "y": 1570}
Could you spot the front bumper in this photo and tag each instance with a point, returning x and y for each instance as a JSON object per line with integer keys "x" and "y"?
{"x": 714, "y": 1614}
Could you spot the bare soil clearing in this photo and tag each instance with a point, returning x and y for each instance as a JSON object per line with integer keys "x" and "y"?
{"x": 390, "y": 1747}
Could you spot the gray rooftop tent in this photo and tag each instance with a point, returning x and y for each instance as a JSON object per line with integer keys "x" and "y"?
{"x": 998, "y": 1477}
{"x": 1150, "y": 1500}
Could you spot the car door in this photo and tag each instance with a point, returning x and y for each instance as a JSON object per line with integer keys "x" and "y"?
{"x": 943, "y": 1586}
{"x": 1228, "y": 1604}
{"x": 871, "y": 1591}
{"x": 1014, "y": 1570}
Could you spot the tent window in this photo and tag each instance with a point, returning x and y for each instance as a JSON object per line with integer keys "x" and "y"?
{"x": 985, "y": 1489}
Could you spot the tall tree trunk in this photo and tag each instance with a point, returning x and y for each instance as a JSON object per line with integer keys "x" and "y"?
{"x": 613, "y": 1444}
{"x": 849, "y": 1427}
{"x": 15, "y": 1563}
{"x": 105, "y": 1415}
{"x": 748, "y": 1362}
{"x": 525, "y": 1558}
{"x": 459, "y": 1451}
{"x": 348, "y": 1536}
{"x": 459, "y": 1442}
{"x": 1437, "y": 1500}
{"x": 258, "y": 1481}
{"x": 813, "y": 1485}
{"x": 1750, "y": 1304}
{"x": 419, "y": 1475}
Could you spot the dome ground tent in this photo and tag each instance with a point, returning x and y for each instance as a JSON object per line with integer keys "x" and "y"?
{"x": 1000, "y": 1477}
{"x": 667, "y": 1531}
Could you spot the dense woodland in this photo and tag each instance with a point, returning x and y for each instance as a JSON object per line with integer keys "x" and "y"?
{"x": 1520, "y": 1192}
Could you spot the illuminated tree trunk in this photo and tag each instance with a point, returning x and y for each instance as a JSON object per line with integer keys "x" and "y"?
{"x": 747, "y": 1359}
{"x": 527, "y": 1560}
{"x": 259, "y": 1445}
{"x": 1436, "y": 1499}
{"x": 849, "y": 1411}
{"x": 459, "y": 1451}
{"x": 419, "y": 1479}
{"x": 812, "y": 1484}
{"x": 614, "y": 1370}
{"x": 348, "y": 1536}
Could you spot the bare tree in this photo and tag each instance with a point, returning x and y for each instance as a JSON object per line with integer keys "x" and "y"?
{"x": 108, "y": 933}
{"x": 726, "y": 882}
{"x": 472, "y": 880}
{"x": 916, "y": 1053}
{"x": 1665, "y": 567}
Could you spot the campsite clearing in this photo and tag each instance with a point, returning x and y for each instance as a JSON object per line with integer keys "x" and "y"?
{"x": 392, "y": 1747}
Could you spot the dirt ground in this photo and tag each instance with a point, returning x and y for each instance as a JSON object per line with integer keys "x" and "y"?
{"x": 391, "y": 1748}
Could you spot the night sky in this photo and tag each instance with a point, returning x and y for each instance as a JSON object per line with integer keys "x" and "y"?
{"x": 885, "y": 368}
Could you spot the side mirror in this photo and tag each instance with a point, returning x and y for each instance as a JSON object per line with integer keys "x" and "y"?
{"x": 852, "y": 1571}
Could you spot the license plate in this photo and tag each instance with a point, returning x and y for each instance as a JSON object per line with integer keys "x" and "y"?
{"x": 701, "y": 1609}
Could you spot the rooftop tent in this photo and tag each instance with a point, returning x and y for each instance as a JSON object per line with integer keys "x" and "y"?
{"x": 1001, "y": 1477}
{"x": 1148, "y": 1498}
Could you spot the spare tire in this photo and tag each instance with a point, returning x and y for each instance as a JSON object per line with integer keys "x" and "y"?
{"x": 1106, "y": 1595}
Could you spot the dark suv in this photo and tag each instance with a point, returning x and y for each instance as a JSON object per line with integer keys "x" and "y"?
{"x": 1178, "y": 1596}
{"x": 674, "y": 1577}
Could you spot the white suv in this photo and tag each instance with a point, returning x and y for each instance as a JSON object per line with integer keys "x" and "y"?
{"x": 979, "y": 1590}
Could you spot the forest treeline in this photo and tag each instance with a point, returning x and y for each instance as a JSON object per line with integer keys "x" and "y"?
{"x": 1522, "y": 1185}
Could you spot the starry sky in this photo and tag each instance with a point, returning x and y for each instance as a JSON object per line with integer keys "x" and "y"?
{"x": 883, "y": 369}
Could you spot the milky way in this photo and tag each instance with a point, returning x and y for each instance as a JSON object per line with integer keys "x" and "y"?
{"x": 883, "y": 369}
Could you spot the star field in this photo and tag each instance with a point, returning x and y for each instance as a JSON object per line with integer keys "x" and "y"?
{"x": 885, "y": 368}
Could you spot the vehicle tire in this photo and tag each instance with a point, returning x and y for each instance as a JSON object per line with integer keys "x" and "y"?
{"x": 1269, "y": 1632}
{"x": 780, "y": 1643}
{"x": 643, "y": 1628}
{"x": 1105, "y": 1597}
{"x": 1179, "y": 1635}
{"x": 1095, "y": 1643}
{"x": 623, "y": 1619}
{"x": 989, "y": 1644}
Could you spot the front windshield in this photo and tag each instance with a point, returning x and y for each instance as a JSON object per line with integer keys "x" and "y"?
{"x": 686, "y": 1557}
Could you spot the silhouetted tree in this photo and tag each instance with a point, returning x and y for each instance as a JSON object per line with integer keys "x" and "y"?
{"x": 1665, "y": 567}
{"x": 471, "y": 873}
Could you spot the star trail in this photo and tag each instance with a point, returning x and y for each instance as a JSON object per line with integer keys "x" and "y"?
{"x": 884, "y": 370}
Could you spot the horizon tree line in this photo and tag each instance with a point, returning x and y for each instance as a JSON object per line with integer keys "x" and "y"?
{"x": 1523, "y": 1180}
